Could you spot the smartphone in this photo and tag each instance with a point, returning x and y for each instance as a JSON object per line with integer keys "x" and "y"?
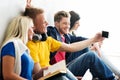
{"x": 105, "y": 34}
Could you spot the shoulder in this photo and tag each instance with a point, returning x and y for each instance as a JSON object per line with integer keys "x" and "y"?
{"x": 8, "y": 45}
{"x": 32, "y": 43}
{"x": 50, "y": 39}
{"x": 50, "y": 28}
{"x": 8, "y": 49}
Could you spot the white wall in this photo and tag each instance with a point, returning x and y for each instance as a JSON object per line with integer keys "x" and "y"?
{"x": 96, "y": 15}
{"x": 8, "y": 10}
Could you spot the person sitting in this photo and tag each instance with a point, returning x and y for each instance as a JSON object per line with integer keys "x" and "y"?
{"x": 77, "y": 66}
{"x": 74, "y": 24}
{"x": 16, "y": 63}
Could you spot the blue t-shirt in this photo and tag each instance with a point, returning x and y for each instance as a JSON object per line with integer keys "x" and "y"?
{"x": 27, "y": 63}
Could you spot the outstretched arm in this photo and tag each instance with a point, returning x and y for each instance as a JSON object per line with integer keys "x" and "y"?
{"x": 81, "y": 44}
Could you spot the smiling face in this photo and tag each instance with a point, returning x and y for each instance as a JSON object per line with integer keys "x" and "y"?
{"x": 63, "y": 25}
{"x": 62, "y": 22}
{"x": 38, "y": 18}
{"x": 41, "y": 24}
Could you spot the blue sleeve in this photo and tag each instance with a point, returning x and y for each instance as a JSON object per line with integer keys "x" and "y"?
{"x": 51, "y": 32}
{"x": 8, "y": 49}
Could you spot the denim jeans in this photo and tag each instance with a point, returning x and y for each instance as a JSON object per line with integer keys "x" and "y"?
{"x": 70, "y": 75}
{"x": 110, "y": 65}
{"x": 90, "y": 60}
{"x": 74, "y": 55}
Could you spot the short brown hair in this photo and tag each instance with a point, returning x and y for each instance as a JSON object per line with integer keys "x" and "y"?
{"x": 33, "y": 12}
{"x": 59, "y": 15}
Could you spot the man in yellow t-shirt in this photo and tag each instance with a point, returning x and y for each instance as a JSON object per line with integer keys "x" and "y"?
{"x": 40, "y": 49}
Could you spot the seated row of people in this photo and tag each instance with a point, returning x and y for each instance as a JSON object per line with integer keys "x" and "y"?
{"x": 16, "y": 61}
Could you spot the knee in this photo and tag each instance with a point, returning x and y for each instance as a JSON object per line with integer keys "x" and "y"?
{"x": 91, "y": 54}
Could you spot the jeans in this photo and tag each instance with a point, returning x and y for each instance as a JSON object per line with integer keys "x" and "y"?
{"x": 70, "y": 75}
{"x": 74, "y": 55}
{"x": 110, "y": 65}
{"x": 90, "y": 60}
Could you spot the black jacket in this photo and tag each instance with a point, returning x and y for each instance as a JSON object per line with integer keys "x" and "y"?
{"x": 52, "y": 31}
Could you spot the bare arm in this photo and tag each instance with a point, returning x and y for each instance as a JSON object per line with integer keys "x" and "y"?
{"x": 81, "y": 45}
{"x": 8, "y": 69}
{"x": 37, "y": 71}
{"x": 36, "y": 67}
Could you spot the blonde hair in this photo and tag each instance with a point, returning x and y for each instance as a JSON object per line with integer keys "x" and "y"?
{"x": 18, "y": 28}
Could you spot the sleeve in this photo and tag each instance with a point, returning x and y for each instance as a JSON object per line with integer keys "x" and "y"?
{"x": 33, "y": 51}
{"x": 52, "y": 32}
{"x": 76, "y": 38}
{"x": 8, "y": 49}
{"x": 55, "y": 45}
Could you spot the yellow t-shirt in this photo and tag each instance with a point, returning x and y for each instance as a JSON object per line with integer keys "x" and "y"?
{"x": 40, "y": 50}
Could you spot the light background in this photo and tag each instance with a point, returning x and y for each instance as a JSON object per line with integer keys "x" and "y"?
{"x": 96, "y": 15}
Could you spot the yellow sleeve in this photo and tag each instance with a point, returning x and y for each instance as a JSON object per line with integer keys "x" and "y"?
{"x": 33, "y": 50}
{"x": 55, "y": 45}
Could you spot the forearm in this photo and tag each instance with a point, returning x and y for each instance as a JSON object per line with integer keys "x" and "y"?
{"x": 37, "y": 71}
{"x": 77, "y": 46}
{"x": 37, "y": 76}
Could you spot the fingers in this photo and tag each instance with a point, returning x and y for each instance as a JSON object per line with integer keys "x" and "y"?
{"x": 79, "y": 77}
{"x": 28, "y": 3}
{"x": 98, "y": 37}
{"x": 45, "y": 68}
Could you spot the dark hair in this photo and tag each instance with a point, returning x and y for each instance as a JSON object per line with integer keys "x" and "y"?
{"x": 33, "y": 12}
{"x": 59, "y": 15}
{"x": 74, "y": 17}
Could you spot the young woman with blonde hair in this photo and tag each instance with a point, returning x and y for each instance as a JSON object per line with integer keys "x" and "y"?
{"x": 16, "y": 63}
